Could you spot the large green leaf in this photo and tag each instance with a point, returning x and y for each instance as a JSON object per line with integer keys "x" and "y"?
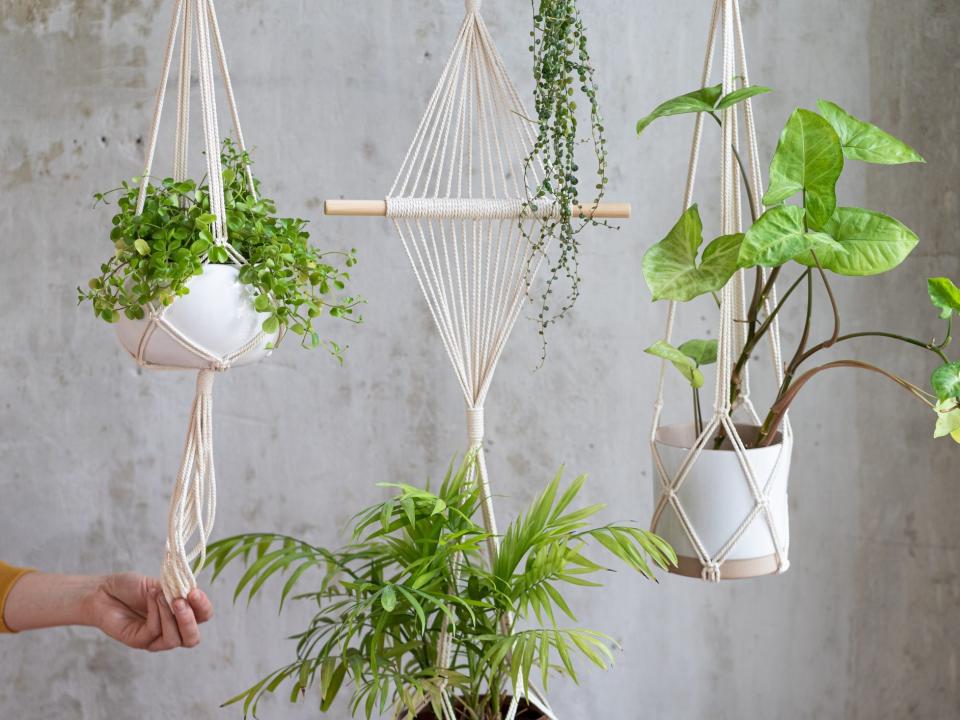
{"x": 779, "y": 236}
{"x": 686, "y": 365}
{"x": 702, "y": 352}
{"x": 670, "y": 267}
{"x": 945, "y": 381}
{"x": 873, "y": 242}
{"x": 708, "y": 99}
{"x": 808, "y": 158}
{"x": 702, "y": 100}
{"x": 864, "y": 141}
{"x": 944, "y": 295}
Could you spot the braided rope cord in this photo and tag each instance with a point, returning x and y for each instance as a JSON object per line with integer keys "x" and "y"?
{"x": 458, "y": 202}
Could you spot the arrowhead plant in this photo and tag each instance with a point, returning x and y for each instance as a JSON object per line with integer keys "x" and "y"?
{"x": 798, "y": 227}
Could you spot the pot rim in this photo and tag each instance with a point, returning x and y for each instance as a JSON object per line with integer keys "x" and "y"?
{"x": 687, "y": 428}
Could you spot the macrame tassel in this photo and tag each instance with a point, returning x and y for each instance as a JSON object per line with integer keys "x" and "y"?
{"x": 194, "y": 501}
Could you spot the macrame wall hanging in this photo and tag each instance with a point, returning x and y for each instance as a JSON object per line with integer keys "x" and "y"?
{"x": 461, "y": 205}
{"x": 724, "y": 509}
{"x": 214, "y": 327}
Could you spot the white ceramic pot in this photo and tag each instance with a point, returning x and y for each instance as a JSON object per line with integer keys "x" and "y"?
{"x": 717, "y": 499}
{"x": 217, "y": 315}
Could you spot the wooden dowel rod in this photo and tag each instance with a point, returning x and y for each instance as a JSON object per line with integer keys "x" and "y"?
{"x": 378, "y": 208}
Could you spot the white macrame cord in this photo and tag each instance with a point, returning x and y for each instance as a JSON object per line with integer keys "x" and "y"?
{"x": 726, "y": 24}
{"x": 458, "y": 202}
{"x": 193, "y": 504}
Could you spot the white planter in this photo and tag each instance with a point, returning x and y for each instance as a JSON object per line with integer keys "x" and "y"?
{"x": 717, "y": 499}
{"x": 217, "y": 315}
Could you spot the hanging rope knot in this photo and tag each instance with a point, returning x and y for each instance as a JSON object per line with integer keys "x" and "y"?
{"x": 473, "y": 6}
{"x": 711, "y": 572}
{"x": 783, "y": 565}
{"x": 475, "y": 426}
{"x": 220, "y": 365}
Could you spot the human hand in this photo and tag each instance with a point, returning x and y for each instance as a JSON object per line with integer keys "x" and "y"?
{"x": 131, "y": 609}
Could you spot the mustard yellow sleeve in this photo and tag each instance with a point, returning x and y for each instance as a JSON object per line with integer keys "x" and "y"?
{"x": 8, "y": 578}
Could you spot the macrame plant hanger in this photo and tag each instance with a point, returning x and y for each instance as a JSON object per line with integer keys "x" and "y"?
{"x": 193, "y": 505}
{"x": 458, "y": 203}
{"x": 726, "y": 26}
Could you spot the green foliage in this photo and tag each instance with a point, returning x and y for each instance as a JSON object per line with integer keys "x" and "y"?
{"x": 417, "y": 562}
{"x": 779, "y": 236}
{"x": 671, "y": 268}
{"x": 709, "y": 100}
{"x": 702, "y": 352}
{"x": 815, "y": 236}
{"x": 944, "y": 295}
{"x": 157, "y": 252}
{"x": 562, "y": 72}
{"x": 808, "y": 158}
{"x": 867, "y": 243}
{"x": 683, "y": 362}
{"x": 864, "y": 141}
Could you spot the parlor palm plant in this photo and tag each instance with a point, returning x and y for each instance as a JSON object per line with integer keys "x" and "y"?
{"x": 417, "y": 565}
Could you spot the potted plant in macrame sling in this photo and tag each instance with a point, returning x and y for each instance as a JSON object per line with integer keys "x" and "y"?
{"x": 205, "y": 276}
{"x": 721, "y": 486}
{"x": 381, "y": 606}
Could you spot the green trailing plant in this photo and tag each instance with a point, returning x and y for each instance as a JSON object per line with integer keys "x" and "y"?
{"x": 419, "y": 561}
{"x": 815, "y": 239}
{"x": 157, "y": 252}
{"x": 562, "y": 74}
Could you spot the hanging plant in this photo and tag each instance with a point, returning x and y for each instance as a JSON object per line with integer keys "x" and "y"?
{"x": 417, "y": 564}
{"x": 562, "y": 73}
{"x": 817, "y": 239}
{"x": 159, "y": 252}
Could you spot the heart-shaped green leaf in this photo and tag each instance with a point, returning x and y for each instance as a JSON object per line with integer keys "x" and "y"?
{"x": 779, "y": 236}
{"x": 944, "y": 295}
{"x": 686, "y": 365}
{"x": 702, "y": 352}
{"x": 945, "y": 381}
{"x": 702, "y": 100}
{"x": 864, "y": 141}
{"x": 670, "y": 267}
{"x": 808, "y": 158}
{"x": 141, "y": 246}
{"x": 873, "y": 243}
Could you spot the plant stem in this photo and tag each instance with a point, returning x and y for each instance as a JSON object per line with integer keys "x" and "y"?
{"x": 779, "y": 409}
{"x": 754, "y": 337}
{"x": 894, "y": 336}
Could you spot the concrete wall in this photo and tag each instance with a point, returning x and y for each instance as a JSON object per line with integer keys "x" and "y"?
{"x": 865, "y": 624}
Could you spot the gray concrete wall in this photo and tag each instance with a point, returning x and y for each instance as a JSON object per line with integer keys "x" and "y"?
{"x": 865, "y": 623}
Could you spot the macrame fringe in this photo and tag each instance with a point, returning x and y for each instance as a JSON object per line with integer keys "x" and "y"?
{"x": 194, "y": 502}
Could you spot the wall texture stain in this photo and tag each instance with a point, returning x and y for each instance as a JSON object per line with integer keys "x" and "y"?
{"x": 865, "y": 624}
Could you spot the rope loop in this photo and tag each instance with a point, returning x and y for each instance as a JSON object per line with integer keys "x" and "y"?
{"x": 473, "y": 6}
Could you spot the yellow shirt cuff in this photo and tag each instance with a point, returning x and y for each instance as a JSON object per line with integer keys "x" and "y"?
{"x": 8, "y": 578}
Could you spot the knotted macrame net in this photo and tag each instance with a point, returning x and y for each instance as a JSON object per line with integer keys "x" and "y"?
{"x": 726, "y": 26}
{"x": 193, "y": 505}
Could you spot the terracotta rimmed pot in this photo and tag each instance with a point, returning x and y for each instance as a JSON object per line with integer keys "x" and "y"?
{"x": 525, "y": 711}
{"x": 717, "y": 499}
{"x": 217, "y": 315}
